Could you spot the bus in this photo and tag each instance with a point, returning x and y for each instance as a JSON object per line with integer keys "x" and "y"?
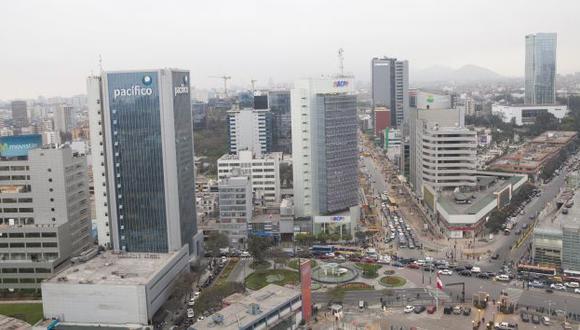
{"x": 524, "y": 270}
{"x": 321, "y": 249}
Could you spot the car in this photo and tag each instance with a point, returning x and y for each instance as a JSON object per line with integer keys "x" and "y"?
{"x": 431, "y": 309}
{"x": 483, "y": 276}
{"x": 447, "y": 309}
{"x": 525, "y": 317}
{"x": 576, "y": 290}
{"x": 245, "y": 254}
{"x": 457, "y": 310}
{"x": 502, "y": 278}
{"x": 200, "y": 318}
{"x": 572, "y": 284}
{"x": 503, "y": 326}
{"x": 459, "y": 269}
{"x": 408, "y": 309}
{"x": 418, "y": 309}
{"x": 475, "y": 269}
{"x": 558, "y": 286}
{"x": 465, "y": 273}
{"x": 536, "y": 284}
{"x": 445, "y": 272}
{"x": 190, "y": 313}
{"x": 413, "y": 266}
{"x": 546, "y": 320}
{"x": 398, "y": 264}
{"x": 495, "y": 256}
{"x": 535, "y": 319}
{"x": 467, "y": 311}
{"x": 191, "y": 302}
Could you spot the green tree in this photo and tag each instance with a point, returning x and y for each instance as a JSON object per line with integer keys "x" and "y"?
{"x": 278, "y": 256}
{"x": 322, "y": 237}
{"x": 347, "y": 237}
{"x": 306, "y": 239}
{"x": 215, "y": 242}
{"x": 258, "y": 247}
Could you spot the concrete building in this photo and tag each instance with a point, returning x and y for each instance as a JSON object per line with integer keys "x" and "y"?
{"x": 113, "y": 289}
{"x": 236, "y": 207}
{"x": 422, "y": 99}
{"x": 143, "y": 120}
{"x": 263, "y": 171}
{"x": 279, "y": 103}
{"x": 526, "y": 114}
{"x": 540, "y": 80}
{"x": 324, "y": 146}
{"x": 19, "y": 114}
{"x": 390, "y": 87}
{"x": 63, "y": 118}
{"x": 199, "y": 114}
{"x": 531, "y": 158}
{"x": 261, "y": 309}
{"x": 250, "y": 129}
{"x": 443, "y": 150}
{"x": 382, "y": 120}
{"x": 45, "y": 210}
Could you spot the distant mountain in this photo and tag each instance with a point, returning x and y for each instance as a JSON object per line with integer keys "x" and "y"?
{"x": 464, "y": 73}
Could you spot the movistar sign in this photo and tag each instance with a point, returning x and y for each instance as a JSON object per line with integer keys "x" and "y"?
{"x": 340, "y": 83}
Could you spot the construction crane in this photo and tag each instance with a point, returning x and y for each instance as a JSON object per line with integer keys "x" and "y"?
{"x": 253, "y": 81}
{"x": 225, "y": 78}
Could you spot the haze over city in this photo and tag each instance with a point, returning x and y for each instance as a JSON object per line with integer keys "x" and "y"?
{"x": 50, "y": 46}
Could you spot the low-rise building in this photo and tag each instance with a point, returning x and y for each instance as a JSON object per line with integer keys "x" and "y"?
{"x": 261, "y": 309}
{"x": 113, "y": 288}
{"x": 526, "y": 114}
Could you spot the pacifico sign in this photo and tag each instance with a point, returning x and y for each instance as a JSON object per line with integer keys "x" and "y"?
{"x": 135, "y": 90}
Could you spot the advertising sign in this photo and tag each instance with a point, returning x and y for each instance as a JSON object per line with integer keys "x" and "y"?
{"x": 18, "y": 145}
{"x": 305, "y": 283}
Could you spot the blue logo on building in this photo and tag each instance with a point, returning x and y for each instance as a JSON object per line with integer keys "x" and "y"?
{"x": 341, "y": 83}
{"x": 147, "y": 80}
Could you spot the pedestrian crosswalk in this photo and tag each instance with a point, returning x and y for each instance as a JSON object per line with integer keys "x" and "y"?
{"x": 514, "y": 294}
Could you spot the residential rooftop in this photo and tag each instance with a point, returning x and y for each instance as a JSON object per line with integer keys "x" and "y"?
{"x": 237, "y": 316}
{"x": 555, "y": 137}
{"x": 111, "y": 268}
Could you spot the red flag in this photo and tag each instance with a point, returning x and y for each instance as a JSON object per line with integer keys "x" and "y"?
{"x": 439, "y": 283}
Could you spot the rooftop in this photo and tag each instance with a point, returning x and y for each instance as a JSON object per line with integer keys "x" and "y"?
{"x": 236, "y": 316}
{"x": 112, "y": 268}
{"x": 480, "y": 197}
{"x": 555, "y": 137}
{"x": 247, "y": 155}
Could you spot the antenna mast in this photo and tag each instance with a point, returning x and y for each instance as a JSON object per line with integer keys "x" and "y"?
{"x": 341, "y": 61}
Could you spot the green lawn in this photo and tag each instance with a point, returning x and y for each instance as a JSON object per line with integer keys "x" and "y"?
{"x": 368, "y": 270}
{"x": 294, "y": 263}
{"x": 393, "y": 281}
{"x": 30, "y": 313}
{"x": 227, "y": 271}
{"x": 261, "y": 278}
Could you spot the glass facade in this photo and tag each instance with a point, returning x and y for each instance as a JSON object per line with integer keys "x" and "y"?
{"x": 571, "y": 246}
{"x": 184, "y": 158}
{"x": 281, "y": 122}
{"x": 540, "y": 87}
{"x": 135, "y": 130}
{"x": 335, "y": 152}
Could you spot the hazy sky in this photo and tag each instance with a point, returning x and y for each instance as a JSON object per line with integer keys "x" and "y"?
{"x": 49, "y": 47}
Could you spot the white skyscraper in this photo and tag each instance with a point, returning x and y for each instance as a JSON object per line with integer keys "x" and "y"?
{"x": 324, "y": 145}
{"x": 250, "y": 129}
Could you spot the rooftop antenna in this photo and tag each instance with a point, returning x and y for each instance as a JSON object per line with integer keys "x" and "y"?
{"x": 341, "y": 61}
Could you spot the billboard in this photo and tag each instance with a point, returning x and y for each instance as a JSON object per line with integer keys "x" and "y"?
{"x": 18, "y": 145}
{"x": 305, "y": 284}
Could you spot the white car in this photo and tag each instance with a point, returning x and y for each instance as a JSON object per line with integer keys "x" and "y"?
{"x": 191, "y": 302}
{"x": 558, "y": 287}
{"x": 476, "y": 270}
{"x": 576, "y": 290}
{"x": 572, "y": 284}
{"x": 409, "y": 309}
{"x": 445, "y": 272}
{"x": 502, "y": 278}
{"x": 245, "y": 254}
{"x": 190, "y": 313}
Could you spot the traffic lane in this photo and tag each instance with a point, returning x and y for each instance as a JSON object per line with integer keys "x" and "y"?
{"x": 565, "y": 302}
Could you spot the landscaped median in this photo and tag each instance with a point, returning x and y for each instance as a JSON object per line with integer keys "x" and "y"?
{"x": 261, "y": 278}
{"x": 227, "y": 271}
{"x": 392, "y": 281}
{"x": 294, "y": 263}
{"x": 30, "y": 313}
{"x": 368, "y": 270}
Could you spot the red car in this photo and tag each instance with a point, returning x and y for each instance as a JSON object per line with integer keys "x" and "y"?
{"x": 431, "y": 309}
{"x": 413, "y": 266}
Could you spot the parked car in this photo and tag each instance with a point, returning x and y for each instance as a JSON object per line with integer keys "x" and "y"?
{"x": 572, "y": 284}
{"x": 525, "y": 317}
{"x": 483, "y": 276}
{"x": 419, "y": 309}
{"x": 457, "y": 310}
{"x": 431, "y": 309}
{"x": 558, "y": 286}
{"x": 465, "y": 272}
{"x": 467, "y": 311}
{"x": 546, "y": 320}
{"x": 475, "y": 269}
{"x": 535, "y": 319}
{"x": 190, "y": 313}
{"x": 408, "y": 309}
{"x": 502, "y": 278}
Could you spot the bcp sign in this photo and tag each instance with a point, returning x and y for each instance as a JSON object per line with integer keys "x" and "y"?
{"x": 340, "y": 83}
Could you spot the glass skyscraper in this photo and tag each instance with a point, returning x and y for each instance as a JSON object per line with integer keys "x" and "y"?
{"x": 540, "y": 81}
{"x": 148, "y": 156}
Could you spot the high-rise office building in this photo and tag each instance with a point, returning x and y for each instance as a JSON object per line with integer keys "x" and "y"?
{"x": 250, "y": 129}
{"x": 235, "y": 205}
{"x": 279, "y": 102}
{"x": 63, "y": 118}
{"x": 390, "y": 87}
{"x": 324, "y": 146}
{"x": 143, "y": 121}
{"x": 540, "y": 84}
{"x": 45, "y": 210}
{"x": 19, "y": 114}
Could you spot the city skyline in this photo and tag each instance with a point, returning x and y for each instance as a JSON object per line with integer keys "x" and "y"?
{"x": 280, "y": 43}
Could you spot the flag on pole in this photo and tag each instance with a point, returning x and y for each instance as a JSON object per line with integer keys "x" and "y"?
{"x": 439, "y": 283}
